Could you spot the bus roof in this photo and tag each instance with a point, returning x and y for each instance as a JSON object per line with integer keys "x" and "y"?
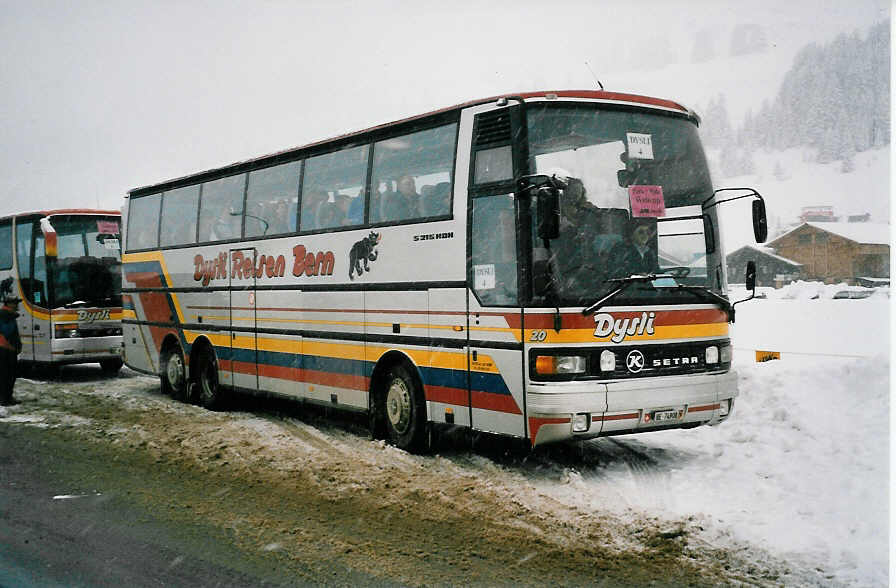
{"x": 58, "y": 211}
{"x": 600, "y": 95}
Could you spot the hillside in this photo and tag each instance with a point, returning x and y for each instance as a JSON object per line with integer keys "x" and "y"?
{"x": 791, "y": 179}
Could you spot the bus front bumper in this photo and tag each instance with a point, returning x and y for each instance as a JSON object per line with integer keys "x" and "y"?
{"x": 86, "y": 350}
{"x": 583, "y": 410}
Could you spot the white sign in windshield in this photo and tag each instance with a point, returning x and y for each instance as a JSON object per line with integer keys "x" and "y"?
{"x": 640, "y": 146}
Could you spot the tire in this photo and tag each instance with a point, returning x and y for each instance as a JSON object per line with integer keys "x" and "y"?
{"x": 403, "y": 410}
{"x": 111, "y": 366}
{"x": 173, "y": 374}
{"x": 209, "y": 391}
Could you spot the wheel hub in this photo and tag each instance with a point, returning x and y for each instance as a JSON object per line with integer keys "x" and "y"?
{"x": 398, "y": 405}
{"x": 175, "y": 371}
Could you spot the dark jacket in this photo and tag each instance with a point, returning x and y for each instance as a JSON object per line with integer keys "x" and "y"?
{"x": 9, "y": 330}
{"x": 627, "y": 260}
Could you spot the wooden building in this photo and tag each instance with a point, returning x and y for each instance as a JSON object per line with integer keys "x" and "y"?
{"x": 837, "y": 252}
{"x": 771, "y": 270}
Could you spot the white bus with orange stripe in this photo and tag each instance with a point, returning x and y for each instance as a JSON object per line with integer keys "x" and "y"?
{"x": 66, "y": 266}
{"x": 457, "y": 268}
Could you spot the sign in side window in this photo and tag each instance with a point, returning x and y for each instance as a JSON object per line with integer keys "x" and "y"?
{"x": 333, "y": 189}
{"x": 221, "y": 209}
{"x": 494, "y": 250}
{"x": 6, "y": 245}
{"x": 412, "y": 175}
{"x": 143, "y": 222}
{"x": 179, "y": 216}
{"x": 272, "y": 200}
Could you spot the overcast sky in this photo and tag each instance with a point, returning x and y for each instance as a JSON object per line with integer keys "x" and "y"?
{"x": 102, "y": 97}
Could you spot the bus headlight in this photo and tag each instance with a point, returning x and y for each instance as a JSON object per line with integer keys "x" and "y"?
{"x": 607, "y": 361}
{"x": 725, "y": 354}
{"x": 712, "y": 355}
{"x": 581, "y": 421}
{"x": 550, "y": 365}
{"x": 62, "y": 332}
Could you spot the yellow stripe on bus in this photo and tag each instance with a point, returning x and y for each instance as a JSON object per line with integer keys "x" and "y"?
{"x": 660, "y": 333}
{"x": 440, "y": 359}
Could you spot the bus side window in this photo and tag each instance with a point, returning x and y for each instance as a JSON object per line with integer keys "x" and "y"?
{"x": 143, "y": 222}
{"x": 416, "y": 171}
{"x": 332, "y": 189}
{"x": 272, "y": 199}
{"x": 6, "y": 245}
{"x": 221, "y": 209}
{"x": 179, "y": 216}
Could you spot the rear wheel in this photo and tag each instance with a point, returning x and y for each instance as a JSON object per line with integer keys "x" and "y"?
{"x": 210, "y": 395}
{"x": 174, "y": 373}
{"x": 404, "y": 410}
{"x": 110, "y": 366}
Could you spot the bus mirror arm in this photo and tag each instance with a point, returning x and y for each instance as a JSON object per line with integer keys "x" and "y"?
{"x": 760, "y": 220}
{"x": 750, "y": 283}
{"x": 547, "y": 200}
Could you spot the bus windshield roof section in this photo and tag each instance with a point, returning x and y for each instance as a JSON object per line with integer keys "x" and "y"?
{"x": 634, "y": 181}
{"x": 87, "y": 267}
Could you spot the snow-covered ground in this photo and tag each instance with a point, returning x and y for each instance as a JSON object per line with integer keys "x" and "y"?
{"x": 802, "y": 466}
{"x": 799, "y": 474}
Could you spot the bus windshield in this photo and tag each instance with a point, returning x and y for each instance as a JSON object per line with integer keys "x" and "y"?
{"x": 634, "y": 183}
{"x": 87, "y": 271}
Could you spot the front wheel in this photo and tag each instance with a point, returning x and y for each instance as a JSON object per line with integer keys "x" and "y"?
{"x": 404, "y": 410}
{"x": 210, "y": 395}
{"x": 110, "y": 366}
{"x": 174, "y": 373}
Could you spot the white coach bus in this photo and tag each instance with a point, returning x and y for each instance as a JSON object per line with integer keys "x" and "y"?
{"x": 546, "y": 266}
{"x": 65, "y": 265}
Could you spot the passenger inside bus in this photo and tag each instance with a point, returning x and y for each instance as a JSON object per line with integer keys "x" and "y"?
{"x": 403, "y": 204}
{"x": 436, "y": 200}
{"x": 333, "y": 214}
{"x": 311, "y": 203}
{"x": 280, "y": 219}
{"x": 575, "y": 252}
{"x": 637, "y": 253}
{"x": 355, "y": 213}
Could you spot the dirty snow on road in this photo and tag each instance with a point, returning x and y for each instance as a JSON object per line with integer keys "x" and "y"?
{"x": 797, "y": 477}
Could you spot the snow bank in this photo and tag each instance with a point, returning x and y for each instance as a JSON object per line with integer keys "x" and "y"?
{"x": 802, "y": 466}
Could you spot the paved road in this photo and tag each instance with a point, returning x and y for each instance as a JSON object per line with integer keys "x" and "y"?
{"x": 55, "y": 532}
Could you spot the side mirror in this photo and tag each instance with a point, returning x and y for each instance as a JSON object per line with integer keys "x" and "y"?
{"x": 760, "y": 222}
{"x": 548, "y": 208}
{"x": 709, "y": 234}
{"x": 751, "y": 286}
{"x": 51, "y": 241}
{"x": 751, "y": 276}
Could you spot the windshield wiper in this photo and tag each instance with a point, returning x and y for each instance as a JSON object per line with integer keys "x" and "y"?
{"x": 660, "y": 282}
{"x": 76, "y": 303}
{"x": 623, "y": 284}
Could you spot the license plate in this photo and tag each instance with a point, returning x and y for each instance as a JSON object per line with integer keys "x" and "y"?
{"x": 661, "y": 416}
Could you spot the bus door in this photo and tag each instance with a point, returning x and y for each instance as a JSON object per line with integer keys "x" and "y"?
{"x": 24, "y": 258}
{"x": 243, "y": 335}
{"x": 496, "y": 386}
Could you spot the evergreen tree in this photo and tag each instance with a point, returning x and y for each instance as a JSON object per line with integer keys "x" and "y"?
{"x": 835, "y": 98}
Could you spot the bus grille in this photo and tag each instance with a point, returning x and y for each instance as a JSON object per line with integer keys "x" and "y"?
{"x": 640, "y": 361}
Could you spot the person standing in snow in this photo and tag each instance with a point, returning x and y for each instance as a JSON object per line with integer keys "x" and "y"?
{"x": 10, "y": 344}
